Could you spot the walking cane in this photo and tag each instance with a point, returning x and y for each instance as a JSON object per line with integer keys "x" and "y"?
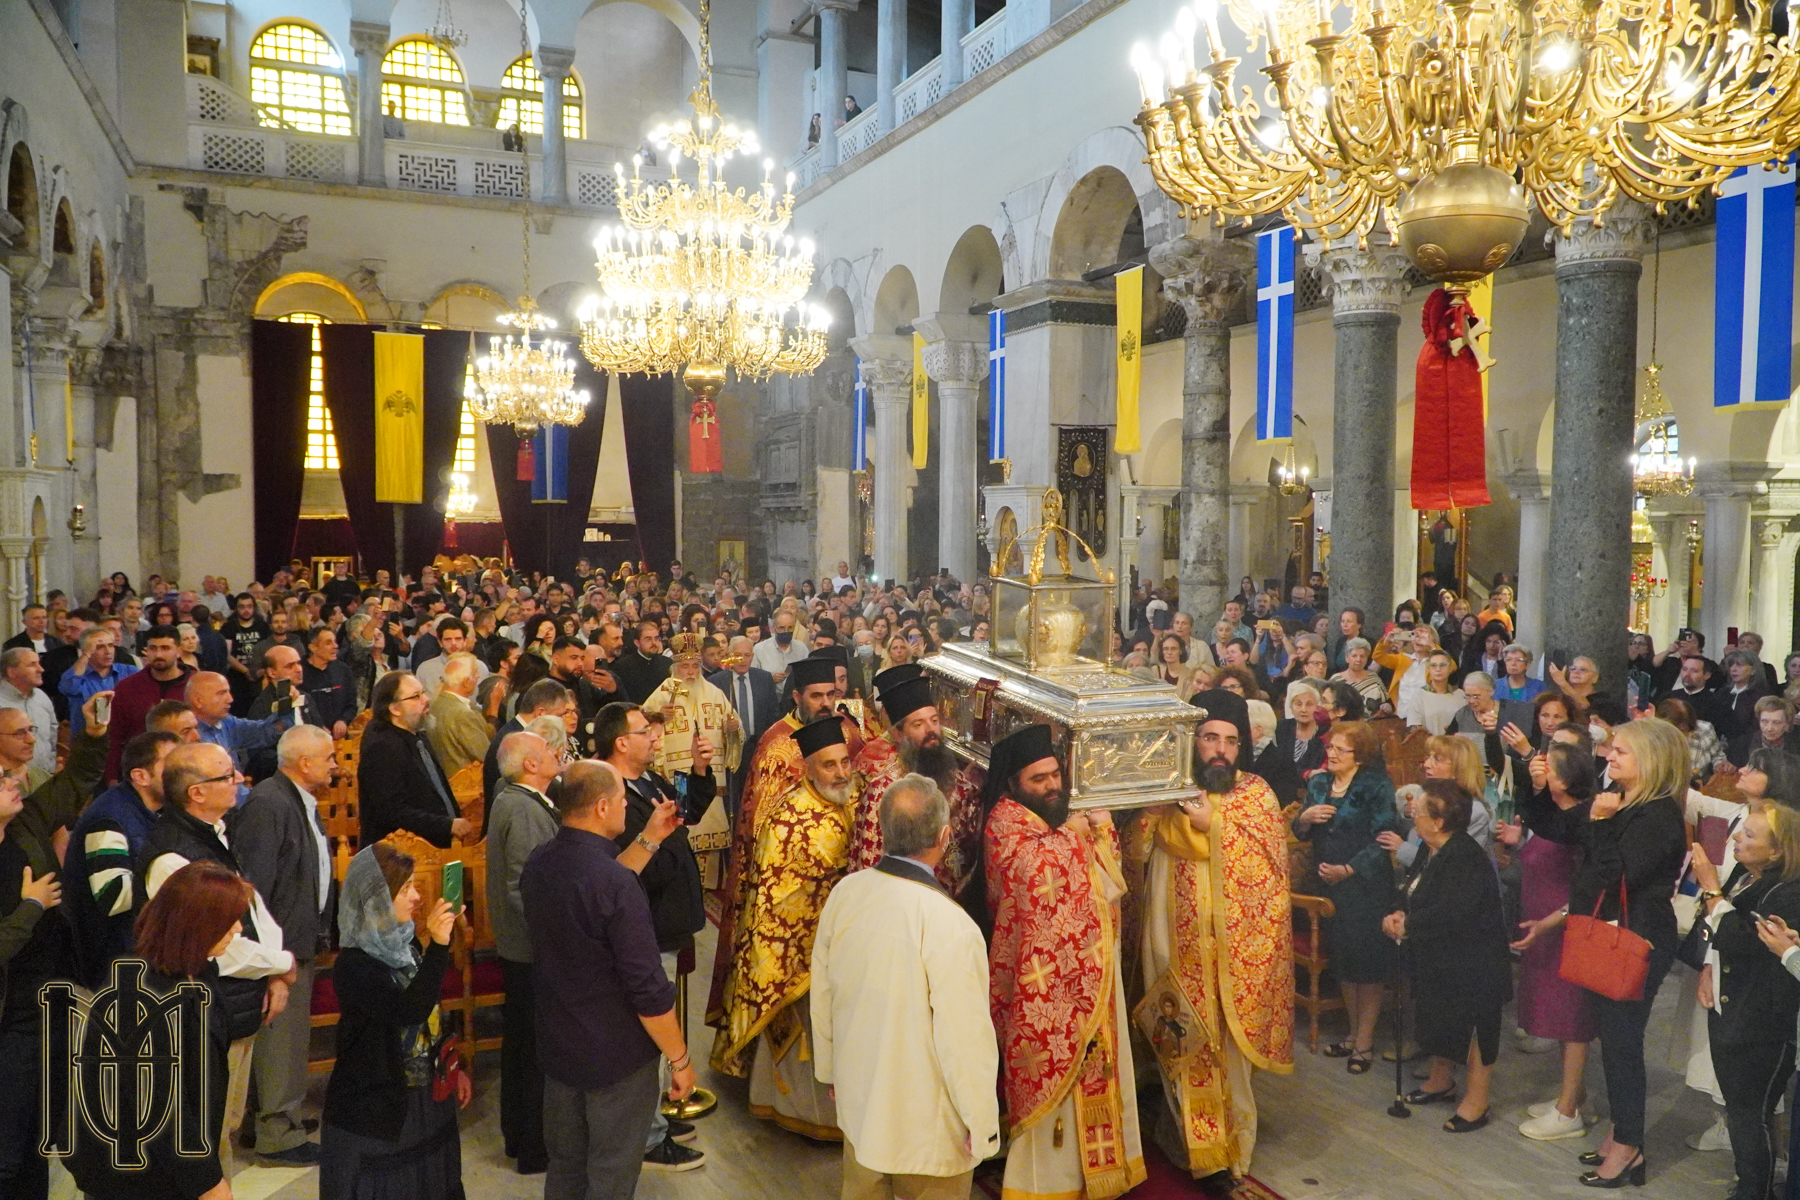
{"x": 1398, "y": 1108}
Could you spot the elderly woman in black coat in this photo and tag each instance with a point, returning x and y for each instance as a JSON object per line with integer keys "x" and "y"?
{"x": 1450, "y": 920}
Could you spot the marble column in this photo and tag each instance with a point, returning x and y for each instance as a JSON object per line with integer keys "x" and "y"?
{"x": 1775, "y": 589}
{"x": 834, "y": 77}
{"x": 1597, "y": 272}
{"x": 887, "y": 370}
{"x": 957, "y": 21}
{"x": 17, "y": 551}
{"x": 84, "y": 555}
{"x": 956, "y": 359}
{"x": 554, "y": 63}
{"x": 1129, "y": 515}
{"x": 1207, "y": 276}
{"x": 1368, "y": 286}
{"x": 890, "y": 59}
{"x": 1725, "y": 601}
{"x": 370, "y": 41}
{"x": 1531, "y": 489}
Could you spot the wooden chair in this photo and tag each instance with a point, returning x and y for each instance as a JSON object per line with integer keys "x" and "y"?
{"x": 1406, "y": 764}
{"x": 1310, "y": 956}
{"x": 340, "y": 814}
{"x": 480, "y": 966}
{"x": 466, "y": 787}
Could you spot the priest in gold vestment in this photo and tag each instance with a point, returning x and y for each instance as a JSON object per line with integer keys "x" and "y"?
{"x": 774, "y": 771}
{"x": 802, "y": 850}
{"x": 1053, "y": 882}
{"x": 692, "y": 709}
{"x": 1217, "y": 950}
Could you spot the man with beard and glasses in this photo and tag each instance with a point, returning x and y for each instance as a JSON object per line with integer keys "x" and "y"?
{"x": 1226, "y": 977}
{"x": 915, "y": 746}
{"x": 774, "y": 770}
{"x": 802, "y": 849}
{"x": 1057, "y": 993}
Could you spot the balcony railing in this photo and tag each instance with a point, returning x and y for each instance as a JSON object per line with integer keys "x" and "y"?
{"x": 227, "y": 132}
{"x": 983, "y": 46}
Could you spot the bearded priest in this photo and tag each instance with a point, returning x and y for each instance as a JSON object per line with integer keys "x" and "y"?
{"x": 801, "y": 852}
{"x": 774, "y": 771}
{"x": 1053, "y": 882}
{"x": 914, "y": 745}
{"x": 1218, "y": 952}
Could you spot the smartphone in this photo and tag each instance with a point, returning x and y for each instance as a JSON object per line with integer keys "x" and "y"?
{"x": 1731, "y": 635}
{"x": 103, "y": 709}
{"x": 453, "y": 886}
{"x": 284, "y": 688}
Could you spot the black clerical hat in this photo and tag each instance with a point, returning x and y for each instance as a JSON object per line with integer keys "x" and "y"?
{"x": 902, "y": 699}
{"x": 810, "y": 671}
{"x": 895, "y": 676}
{"x": 827, "y": 731}
{"x": 1220, "y": 705}
{"x": 836, "y": 654}
{"x": 1012, "y": 754}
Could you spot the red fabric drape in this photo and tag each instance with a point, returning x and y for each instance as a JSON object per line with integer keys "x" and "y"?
{"x": 349, "y": 352}
{"x": 280, "y": 386}
{"x": 1449, "y": 468}
{"x": 548, "y": 537}
{"x": 649, "y": 412}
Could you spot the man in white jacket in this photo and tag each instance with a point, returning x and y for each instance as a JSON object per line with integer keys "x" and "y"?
{"x": 901, "y": 1029}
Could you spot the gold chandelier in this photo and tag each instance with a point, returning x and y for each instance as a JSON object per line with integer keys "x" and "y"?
{"x": 1460, "y": 110}
{"x": 701, "y": 275}
{"x": 521, "y": 382}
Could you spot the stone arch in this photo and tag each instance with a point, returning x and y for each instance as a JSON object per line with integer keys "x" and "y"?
{"x": 24, "y": 200}
{"x": 640, "y": 59}
{"x": 1162, "y": 458}
{"x": 896, "y": 301}
{"x": 1254, "y": 461}
{"x": 1092, "y": 223}
{"x": 466, "y": 304}
{"x": 64, "y": 237}
{"x": 1121, "y": 149}
{"x": 96, "y": 275}
{"x": 309, "y": 291}
{"x": 974, "y": 275}
{"x": 677, "y": 14}
{"x": 843, "y": 319}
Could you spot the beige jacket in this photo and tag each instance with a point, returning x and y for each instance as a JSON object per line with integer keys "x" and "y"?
{"x": 901, "y": 1026}
{"x": 458, "y": 734}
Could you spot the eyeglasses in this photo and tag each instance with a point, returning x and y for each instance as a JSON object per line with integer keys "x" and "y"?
{"x": 404, "y": 699}
{"x": 230, "y": 776}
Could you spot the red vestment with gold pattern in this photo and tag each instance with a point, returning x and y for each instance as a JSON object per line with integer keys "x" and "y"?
{"x": 877, "y": 767}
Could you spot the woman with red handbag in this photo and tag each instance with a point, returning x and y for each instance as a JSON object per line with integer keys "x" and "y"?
{"x": 1633, "y": 843}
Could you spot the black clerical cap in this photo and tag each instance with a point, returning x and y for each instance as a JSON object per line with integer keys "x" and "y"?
{"x": 1217, "y": 704}
{"x": 895, "y": 676}
{"x": 902, "y": 699}
{"x": 810, "y": 671}
{"x": 1012, "y": 754}
{"x": 827, "y": 731}
{"x": 836, "y": 654}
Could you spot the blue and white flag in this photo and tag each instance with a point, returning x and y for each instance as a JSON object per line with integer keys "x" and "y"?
{"x": 859, "y": 435}
{"x": 550, "y": 479}
{"x": 1753, "y": 288}
{"x": 1275, "y": 333}
{"x": 996, "y": 385}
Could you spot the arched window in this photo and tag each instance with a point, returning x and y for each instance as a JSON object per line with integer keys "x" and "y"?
{"x": 522, "y": 100}
{"x": 297, "y": 76}
{"x": 423, "y": 83}
{"x": 321, "y": 442}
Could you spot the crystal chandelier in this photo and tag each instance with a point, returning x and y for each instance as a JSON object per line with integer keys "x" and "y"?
{"x": 703, "y": 276}
{"x": 1449, "y": 115}
{"x": 445, "y": 31}
{"x": 519, "y": 381}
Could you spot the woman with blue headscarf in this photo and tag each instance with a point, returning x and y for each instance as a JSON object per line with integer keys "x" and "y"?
{"x": 390, "y": 1107}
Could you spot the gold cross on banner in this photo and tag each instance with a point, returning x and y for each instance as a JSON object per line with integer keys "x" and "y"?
{"x": 703, "y": 417}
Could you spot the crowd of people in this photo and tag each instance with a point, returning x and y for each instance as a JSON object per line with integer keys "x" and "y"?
{"x": 931, "y": 962}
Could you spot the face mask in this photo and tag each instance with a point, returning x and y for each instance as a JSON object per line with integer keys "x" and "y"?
{"x": 865, "y": 651}
{"x": 1598, "y": 732}
{"x": 783, "y": 638}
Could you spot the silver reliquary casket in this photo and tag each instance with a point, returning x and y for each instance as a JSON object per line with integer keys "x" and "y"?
{"x": 1125, "y": 741}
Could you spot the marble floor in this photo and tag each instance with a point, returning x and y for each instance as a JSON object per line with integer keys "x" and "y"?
{"x": 1325, "y": 1135}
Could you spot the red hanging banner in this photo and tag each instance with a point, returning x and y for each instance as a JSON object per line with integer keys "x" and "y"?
{"x": 527, "y": 462}
{"x": 1449, "y": 467}
{"x": 705, "y": 451}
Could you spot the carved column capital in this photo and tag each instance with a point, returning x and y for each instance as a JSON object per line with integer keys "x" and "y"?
{"x": 1627, "y": 233}
{"x": 1364, "y": 279}
{"x": 956, "y": 363}
{"x": 370, "y": 38}
{"x": 1206, "y": 276}
{"x": 886, "y": 365}
{"x": 555, "y": 62}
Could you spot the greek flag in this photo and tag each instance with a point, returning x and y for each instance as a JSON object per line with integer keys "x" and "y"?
{"x": 859, "y": 443}
{"x": 1275, "y": 333}
{"x": 1753, "y": 287}
{"x": 996, "y": 385}
{"x": 550, "y": 482}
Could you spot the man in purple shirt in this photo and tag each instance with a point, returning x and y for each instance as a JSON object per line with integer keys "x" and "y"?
{"x": 605, "y": 1009}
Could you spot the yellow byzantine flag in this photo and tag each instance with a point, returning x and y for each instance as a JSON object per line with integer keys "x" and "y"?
{"x": 1128, "y": 287}
{"x": 399, "y": 418}
{"x": 921, "y": 405}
